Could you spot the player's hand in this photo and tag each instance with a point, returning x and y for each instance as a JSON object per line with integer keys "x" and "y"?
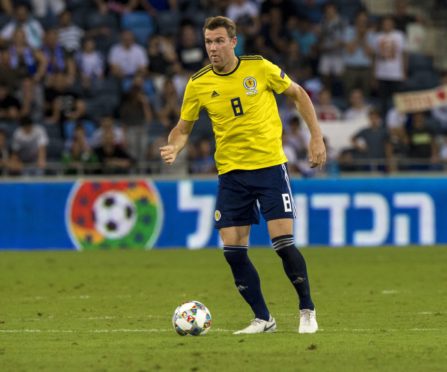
{"x": 168, "y": 154}
{"x": 317, "y": 152}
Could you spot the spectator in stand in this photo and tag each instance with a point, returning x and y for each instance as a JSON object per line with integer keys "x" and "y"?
{"x": 127, "y": 58}
{"x": 24, "y": 21}
{"x": 294, "y": 62}
{"x": 440, "y": 113}
{"x": 169, "y": 109}
{"x": 330, "y": 45}
{"x": 359, "y": 43}
{"x": 311, "y": 9}
{"x": 372, "y": 144}
{"x": 4, "y": 152}
{"x": 107, "y": 124}
{"x": 69, "y": 34}
{"x": 29, "y": 67}
{"x": 113, "y": 158}
{"x": 155, "y": 7}
{"x": 60, "y": 65}
{"x": 244, "y": 12}
{"x": 297, "y": 136}
{"x": 401, "y": 16}
{"x": 63, "y": 104}
{"x": 275, "y": 33}
{"x": 390, "y": 62}
{"x": 136, "y": 116}
{"x": 296, "y": 139}
{"x": 422, "y": 143}
{"x": 161, "y": 53}
{"x": 325, "y": 108}
{"x": 90, "y": 64}
{"x": 29, "y": 143}
{"x": 287, "y": 6}
{"x": 443, "y": 150}
{"x": 399, "y": 144}
{"x": 78, "y": 156}
{"x": 117, "y": 7}
{"x": 41, "y": 8}
{"x": 395, "y": 119}
{"x": 6, "y": 7}
{"x": 358, "y": 109}
{"x": 203, "y": 160}
{"x": 190, "y": 50}
{"x": 9, "y": 105}
{"x": 302, "y": 33}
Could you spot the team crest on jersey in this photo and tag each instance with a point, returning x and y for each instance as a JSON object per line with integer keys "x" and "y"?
{"x": 250, "y": 85}
{"x": 217, "y": 215}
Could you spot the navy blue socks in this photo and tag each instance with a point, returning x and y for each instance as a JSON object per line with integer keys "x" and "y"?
{"x": 295, "y": 268}
{"x": 246, "y": 279}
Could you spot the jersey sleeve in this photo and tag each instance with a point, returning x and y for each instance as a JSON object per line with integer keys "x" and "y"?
{"x": 191, "y": 104}
{"x": 277, "y": 80}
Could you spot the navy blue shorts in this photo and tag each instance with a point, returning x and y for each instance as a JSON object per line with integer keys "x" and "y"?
{"x": 242, "y": 193}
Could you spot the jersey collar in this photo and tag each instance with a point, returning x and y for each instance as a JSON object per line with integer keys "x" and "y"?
{"x": 229, "y": 73}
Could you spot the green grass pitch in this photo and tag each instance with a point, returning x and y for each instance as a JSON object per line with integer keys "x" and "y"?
{"x": 381, "y": 309}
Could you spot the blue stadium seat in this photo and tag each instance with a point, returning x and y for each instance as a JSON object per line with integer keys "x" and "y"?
{"x": 55, "y": 149}
{"x": 141, "y": 25}
{"x": 419, "y": 62}
{"x": 168, "y": 23}
{"x": 101, "y": 105}
{"x": 422, "y": 80}
{"x": 53, "y": 131}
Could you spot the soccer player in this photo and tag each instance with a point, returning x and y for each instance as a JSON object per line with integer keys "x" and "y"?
{"x": 238, "y": 94}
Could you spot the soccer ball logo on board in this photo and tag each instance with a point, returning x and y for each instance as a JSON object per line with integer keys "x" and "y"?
{"x": 114, "y": 214}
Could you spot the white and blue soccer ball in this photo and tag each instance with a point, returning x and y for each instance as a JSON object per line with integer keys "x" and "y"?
{"x": 114, "y": 214}
{"x": 191, "y": 318}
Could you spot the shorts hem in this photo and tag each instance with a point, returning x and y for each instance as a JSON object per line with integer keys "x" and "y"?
{"x": 218, "y": 225}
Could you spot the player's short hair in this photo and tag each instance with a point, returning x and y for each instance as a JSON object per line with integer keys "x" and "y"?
{"x": 212, "y": 23}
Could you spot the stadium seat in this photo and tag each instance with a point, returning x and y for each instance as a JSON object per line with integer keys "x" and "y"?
{"x": 55, "y": 149}
{"x": 422, "y": 80}
{"x": 53, "y": 131}
{"x": 419, "y": 62}
{"x": 101, "y": 105}
{"x": 167, "y": 23}
{"x": 140, "y": 23}
{"x": 69, "y": 127}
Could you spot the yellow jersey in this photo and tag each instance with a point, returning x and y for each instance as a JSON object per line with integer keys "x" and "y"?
{"x": 242, "y": 108}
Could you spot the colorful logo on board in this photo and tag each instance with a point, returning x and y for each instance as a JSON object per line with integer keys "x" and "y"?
{"x": 114, "y": 214}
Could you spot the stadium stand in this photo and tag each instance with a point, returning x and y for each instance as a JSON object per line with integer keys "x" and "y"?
{"x": 169, "y": 34}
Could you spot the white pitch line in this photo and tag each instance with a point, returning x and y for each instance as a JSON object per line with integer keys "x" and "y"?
{"x": 121, "y": 330}
{"x": 161, "y": 330}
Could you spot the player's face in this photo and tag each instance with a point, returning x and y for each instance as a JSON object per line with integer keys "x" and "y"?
{"x": 220, "y": 48}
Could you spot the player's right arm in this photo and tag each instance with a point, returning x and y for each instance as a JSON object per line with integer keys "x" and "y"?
{"x": 179, "y": 135}
{"x": 177, "y": 139}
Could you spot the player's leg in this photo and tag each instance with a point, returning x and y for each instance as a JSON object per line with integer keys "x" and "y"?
{"x": 281, "y": 234}
{"x": 235, "y": 212}
{"x": 277, "y": 206}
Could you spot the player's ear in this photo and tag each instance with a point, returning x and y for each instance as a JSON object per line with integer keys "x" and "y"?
{"x": 234, "y": 41}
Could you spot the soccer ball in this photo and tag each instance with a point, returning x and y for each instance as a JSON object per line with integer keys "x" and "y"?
{"x": 191, "y": 318}
{"x": 114, "y": 214}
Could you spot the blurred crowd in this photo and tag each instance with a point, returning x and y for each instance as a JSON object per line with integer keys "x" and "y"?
{"x": 94, "y": 86}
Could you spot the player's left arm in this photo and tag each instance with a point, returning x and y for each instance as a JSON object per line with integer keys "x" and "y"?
{"x": 317, "y": 149}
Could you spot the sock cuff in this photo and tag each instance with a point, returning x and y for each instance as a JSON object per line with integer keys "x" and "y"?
{"x": 283, "y": 241}
{"x": 235, "y": 248}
